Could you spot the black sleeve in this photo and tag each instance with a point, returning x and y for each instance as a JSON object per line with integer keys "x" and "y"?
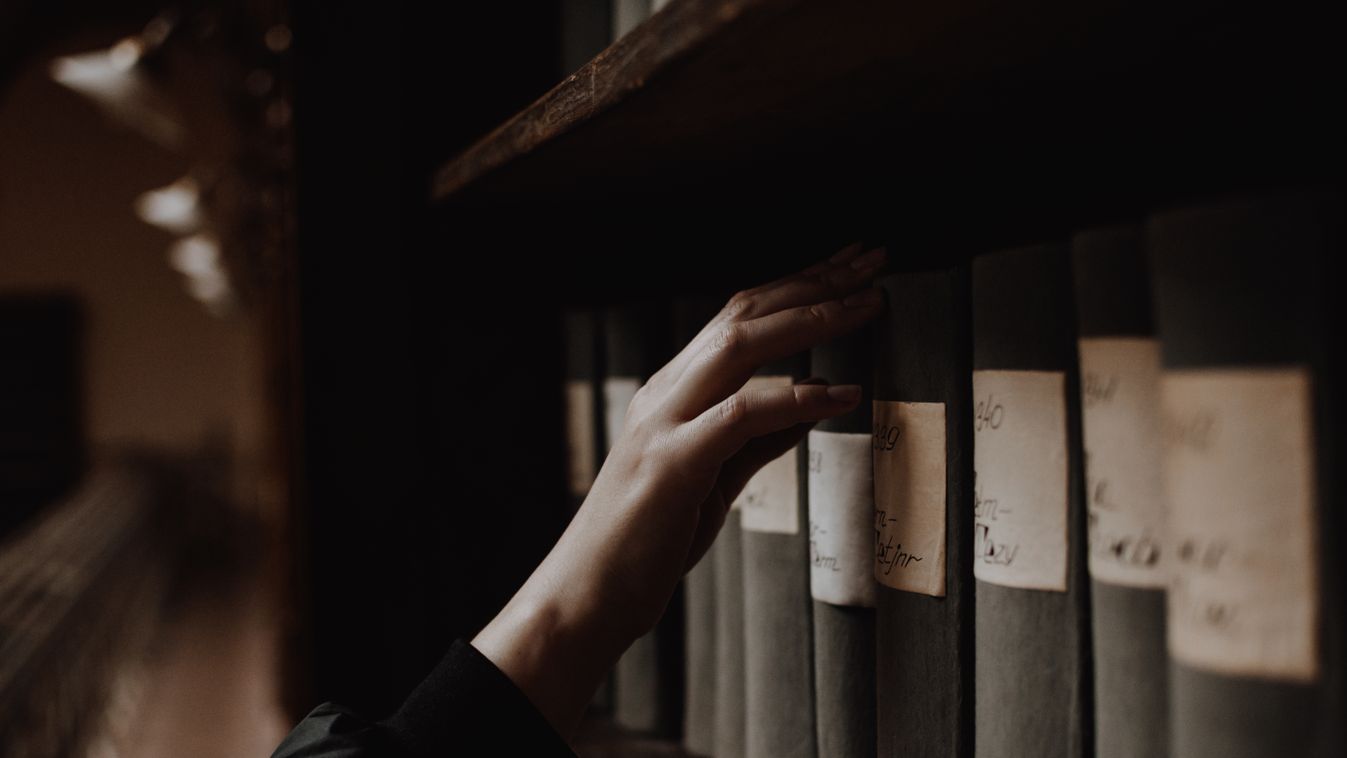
{"x": 466, "y": 707}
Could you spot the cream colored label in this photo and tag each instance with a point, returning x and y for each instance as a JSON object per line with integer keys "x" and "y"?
{"x": 1120, "y": 402}
{"x": 1239, "y": 477}
{"x": 770, "y": 501}
{"x": 841, "y": 512}
{"x": 1020, "y": 479}
{"x": 908, "y": 449}
{"x": 580, "y": 440}
{"x": 617, "y": 394}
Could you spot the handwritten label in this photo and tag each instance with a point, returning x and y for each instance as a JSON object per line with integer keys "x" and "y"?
{"x": 1120, "y": 402}
{"x": 908, "y": 448}
{"x": 580, "y": 439}
{"x": 841, "y": 509}
{"x": 770, "y": 501}
{"x": 617, "y": 394}
{"x": 1020, "y": 479}
{"x": 1239, "y": 477}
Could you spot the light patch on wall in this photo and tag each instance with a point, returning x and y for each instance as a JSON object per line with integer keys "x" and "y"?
{"x": 198, "y": 259}
{"x": 112, "y": 79}
{"x": 175, "y": 208}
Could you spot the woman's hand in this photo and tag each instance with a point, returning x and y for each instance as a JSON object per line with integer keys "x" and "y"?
{"x": 692, "y": 438}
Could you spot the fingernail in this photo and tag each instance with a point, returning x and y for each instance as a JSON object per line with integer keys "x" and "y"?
{"x": 845, "y": 393}
{"x": 845, "y": 253}
{"x": 871, "y": 260}
{"x": 868, "y": 296}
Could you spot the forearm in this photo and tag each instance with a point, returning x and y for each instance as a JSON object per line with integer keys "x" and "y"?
{"x": 554, "y": 640}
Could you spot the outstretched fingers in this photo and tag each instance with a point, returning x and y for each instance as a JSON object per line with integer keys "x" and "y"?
{"x": 824, "y": 282}
{"x": 835, "y": 278}
{"x": 737, "y": 349}
{"x": 724, "y": 429}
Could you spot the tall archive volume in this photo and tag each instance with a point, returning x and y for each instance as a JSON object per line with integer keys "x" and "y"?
{"x": 584, "y": 418}
{"x": 778, "y": 618}
{"x": 648, "y": 681}
{"x": 1032, "y": 611}
{"x": 922, "y": 452}
{"x": 841, "y": 540}
{"x": 583, "y": 404}
{"x": 1128, "y": 557}
{"x": 1250, "y": 397}
{"x": 702, "y": 607}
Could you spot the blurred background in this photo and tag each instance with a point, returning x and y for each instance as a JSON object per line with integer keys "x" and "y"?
{"x": 166, "y": 171}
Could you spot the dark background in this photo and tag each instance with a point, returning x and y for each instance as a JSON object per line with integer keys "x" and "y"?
{"x": 431, "y": 363}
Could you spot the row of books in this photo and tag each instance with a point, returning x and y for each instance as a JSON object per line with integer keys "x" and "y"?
{"x": 1088, "y": 507}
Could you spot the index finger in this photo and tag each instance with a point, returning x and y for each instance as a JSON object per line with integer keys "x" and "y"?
{"x": 837, "y": 277}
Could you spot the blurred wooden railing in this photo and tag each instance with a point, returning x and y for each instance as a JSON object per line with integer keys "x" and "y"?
{"x": 80, "y": 593}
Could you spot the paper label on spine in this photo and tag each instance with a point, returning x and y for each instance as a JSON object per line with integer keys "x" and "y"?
{"x": 770, "y": 501}
{"x": 908, "y": 449}
{"x": 1120, "y": 413}
{"x": 1020, "y": 488}
{"x": 617, "y": 394}
{"x": 1239, "y": 477}
{"x": 580, "y": 436}
{"x": 841, "y": 512}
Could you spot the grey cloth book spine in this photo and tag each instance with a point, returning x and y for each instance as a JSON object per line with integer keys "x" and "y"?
{"x": 1245, "y": 287}
{"x": 727, "y": 565}
{"x": 701, "y": 611}
{"x": 924, "y": 659}
{"x": 585, "y": 436}
{"x": 778, "y": 625}
{"x": 1033, "y": 680}
{"x": 1131, "y": 685}
{"x": 586, "y": 29}
{"x": 699, "y": 704}
{"x": 627, "y": 15}
{"x": 648, "y": 680}
{"x": 844, "y": 635}
{"x": 585, "y": 445}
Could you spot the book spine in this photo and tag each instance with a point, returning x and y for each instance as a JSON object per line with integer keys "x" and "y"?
{"x": 627, "y": 15}
{"x": 648, "y": 680}
{"x": 1033, "y": 679}
{"x": 586, "y": 29}
{"x": 583, "y": 402}
{"x": 1249, "y": 392}
{"x": 699, "y": 639}
{"x": 924, "y": 515}
{"x": 728, "y": 569}
{"x": 841, "y": 538}
{"x": 778, "y": 628}
{"x": 1128, "y": 551}
{"x": 702, "y": 607}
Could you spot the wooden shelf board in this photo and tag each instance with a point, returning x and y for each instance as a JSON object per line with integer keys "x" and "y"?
{"x": 768, "y": 114}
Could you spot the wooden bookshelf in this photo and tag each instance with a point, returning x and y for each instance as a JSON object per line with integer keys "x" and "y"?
{"x": 721, "y": 143}
{"x": 726, "y": 99}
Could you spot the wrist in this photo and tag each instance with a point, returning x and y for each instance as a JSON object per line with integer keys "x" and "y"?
{"x": 554, "y": 646}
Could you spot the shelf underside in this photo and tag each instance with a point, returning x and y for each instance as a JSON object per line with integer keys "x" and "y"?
{"x": 732, "y": 100}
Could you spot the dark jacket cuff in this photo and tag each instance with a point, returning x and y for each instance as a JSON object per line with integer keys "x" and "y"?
{"x": 467, "y": 706}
